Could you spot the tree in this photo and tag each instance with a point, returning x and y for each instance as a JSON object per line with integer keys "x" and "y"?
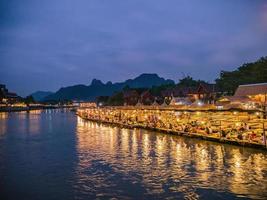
{"x": 29, "y": 99}
{"x": 156, "y": 90}
{"x": 116, "y": 99}
{"x": 1, "y": 95}
{"x": 103, "y": 100}
{"x": 126, "y": 88}
{"x": 188, "y": 81}
{"x": 248, "y": 73}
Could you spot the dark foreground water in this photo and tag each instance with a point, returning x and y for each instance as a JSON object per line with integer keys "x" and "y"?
{"x": 56, "y": 155}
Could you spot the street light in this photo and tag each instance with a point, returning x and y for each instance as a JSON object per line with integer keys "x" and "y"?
{"x": 199, "y": 103}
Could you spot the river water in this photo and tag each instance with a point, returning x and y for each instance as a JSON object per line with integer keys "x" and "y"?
{"x": 54, "y": 154}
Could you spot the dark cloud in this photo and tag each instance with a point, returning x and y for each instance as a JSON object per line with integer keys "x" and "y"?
{"x": 53, "y": 43}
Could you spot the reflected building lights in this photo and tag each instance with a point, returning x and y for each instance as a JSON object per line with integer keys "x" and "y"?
{"x": 168, "y": 161}
{"x": 3, "y": 122}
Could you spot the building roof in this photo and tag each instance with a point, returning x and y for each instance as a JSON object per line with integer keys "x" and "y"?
{"x": 180, "y": 101}
{"x": 206, "y": 88}
{"x": 146, "y": 94}
{"x": 11, "y": 95}
{"x": 179, "y": 91}
{"x": 251, "y": 89}
{"x": 139, "y": 103}
{"x": 183, "y": 91}
{"x": 155, "y": 103}
{"x": 130, "y": 93}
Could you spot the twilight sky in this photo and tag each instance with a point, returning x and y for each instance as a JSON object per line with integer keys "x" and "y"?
{"x": 47, "y": 44}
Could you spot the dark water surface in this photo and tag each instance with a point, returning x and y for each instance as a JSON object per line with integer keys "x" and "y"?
{"x": 54, "y": 154}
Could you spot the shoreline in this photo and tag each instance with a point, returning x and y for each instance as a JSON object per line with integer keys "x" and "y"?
{"x": 30, "y": 108}
{"x": 179, "y": 133}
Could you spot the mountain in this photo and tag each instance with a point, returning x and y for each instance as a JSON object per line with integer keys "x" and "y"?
{"x": 147, "y": 81}
{"x": 98, "y": 88}
{"x": 40, "y": 95}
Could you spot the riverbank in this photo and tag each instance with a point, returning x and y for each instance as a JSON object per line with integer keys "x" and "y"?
{"x": 245, "y": 138}
{"x": 29, "y": 108}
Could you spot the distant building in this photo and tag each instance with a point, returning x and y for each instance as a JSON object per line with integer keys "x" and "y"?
{"x": 205, "y": 92}
{"x": 6, "y": 96}
{"x": 87, "y": 104}
{"x": 3, "y": 89}
{"x": 130, "y": 97}
{"x": 182, "y": 95}
{"x": 155, "y": 103}
{"x": 242, "y": 102}
{"x": 177, "y": 101}
{"x": 177, "y": 95}
{"x": 178, "y": 91}
{"x": 251, "y": 96}
{"x": 256, "y": 92}
{"x": 147, "y": 98}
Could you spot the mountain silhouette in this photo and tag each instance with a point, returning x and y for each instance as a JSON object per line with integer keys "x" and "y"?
{"x": 40, "y": 95}
{"x": 98, "y": 88}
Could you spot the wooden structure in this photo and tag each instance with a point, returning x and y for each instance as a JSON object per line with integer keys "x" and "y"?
{"x": 130, "y": 97}
{"x": 256, "y": 92}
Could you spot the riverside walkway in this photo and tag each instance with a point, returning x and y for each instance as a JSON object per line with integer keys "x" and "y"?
{"x": 238, "y": 127}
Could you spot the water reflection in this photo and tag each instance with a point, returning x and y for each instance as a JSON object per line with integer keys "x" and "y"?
{"x": 117, "y": 161}
{"x": 56, "y": 155}
{"x": 3, "y": 123}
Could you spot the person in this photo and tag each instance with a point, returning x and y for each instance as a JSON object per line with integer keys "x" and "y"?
{"x": 247, "y": 126}
{"x": 210, "y": 130}
{"x": 183, "y": 127}
{"x": 223, "y": 133}
{"x": 207, "y": 130}
{"x": 239, "y": 136}
{"x": 186, "y": 129}
{"x": 252, "y": 136}
{"x": 242, "y": 128}
{"x": 263, "y": 138}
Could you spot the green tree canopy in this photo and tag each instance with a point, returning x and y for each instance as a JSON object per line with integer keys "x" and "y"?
{"x": 29, "y": 99}
{"x": 116, "y": 99}
{"x": 248, "y": 73}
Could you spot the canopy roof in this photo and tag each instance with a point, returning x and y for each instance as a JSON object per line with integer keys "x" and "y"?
{"x": 251, "y": 89}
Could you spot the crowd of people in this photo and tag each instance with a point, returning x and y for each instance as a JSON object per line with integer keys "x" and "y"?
{"x": 249, "y": 129}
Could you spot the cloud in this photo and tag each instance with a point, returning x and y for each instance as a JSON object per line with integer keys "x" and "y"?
{"x": 57, "y": 43}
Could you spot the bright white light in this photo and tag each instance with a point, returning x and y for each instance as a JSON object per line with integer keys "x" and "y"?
{"x": 199, "y": 103}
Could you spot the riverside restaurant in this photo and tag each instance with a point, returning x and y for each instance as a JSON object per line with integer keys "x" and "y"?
{"x": 239, "y": 127}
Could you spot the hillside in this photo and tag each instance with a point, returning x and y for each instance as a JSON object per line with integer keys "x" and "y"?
{"x": 40, "y": 95}
{"x": 97, "y": 88}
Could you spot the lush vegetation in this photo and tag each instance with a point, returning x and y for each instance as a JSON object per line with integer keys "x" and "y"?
{"x": 228, "y": 81}
{"x": 188, "y": 81}
{"x": 116, "y": 99}
{"x": 97, "y": 88}
{"x": 156, "y": 90}
{"x": 28, "y": 100}
{"x": 248, "y": 73}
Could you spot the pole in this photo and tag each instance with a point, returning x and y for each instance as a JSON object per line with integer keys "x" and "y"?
{"x": 264, "y": 135}
{"x": 220, "y": 129}
{"x": 264, "y": 107}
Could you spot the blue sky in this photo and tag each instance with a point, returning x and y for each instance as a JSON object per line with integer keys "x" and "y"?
{"x": 45, "y": 45}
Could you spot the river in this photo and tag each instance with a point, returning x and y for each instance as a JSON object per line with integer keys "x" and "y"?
{"x": 54, "y": 154}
